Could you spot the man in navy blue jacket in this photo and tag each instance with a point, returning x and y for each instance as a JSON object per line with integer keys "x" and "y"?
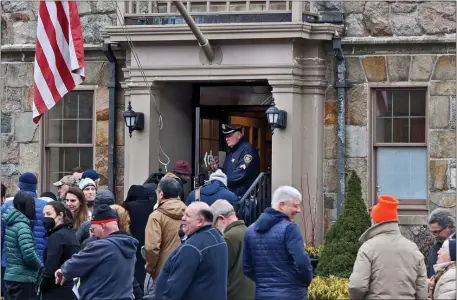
{"x": 273, "y": 254}
{"x": 198, "y": 269}
{"x": 242, "y": 164}
{"x": 106, "y": 266}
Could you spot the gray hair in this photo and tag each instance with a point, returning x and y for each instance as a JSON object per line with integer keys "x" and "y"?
{"x": 443, "y": 217}
{"x": 170, "y": 187}
{"x": 285, "y": 194}
{"x": 222, "y": 208}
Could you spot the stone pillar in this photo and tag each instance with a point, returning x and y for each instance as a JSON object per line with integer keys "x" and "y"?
{"x": 298, "y": 150}
{"x": 141, "y": 150}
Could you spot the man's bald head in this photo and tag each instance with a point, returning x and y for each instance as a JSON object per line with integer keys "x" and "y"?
{"x": 196, "y": 215}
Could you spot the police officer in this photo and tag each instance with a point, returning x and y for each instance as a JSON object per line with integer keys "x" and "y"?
{"x": 242, "y": 164}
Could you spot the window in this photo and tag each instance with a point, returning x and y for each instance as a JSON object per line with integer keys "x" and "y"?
{"x": 400, "y": 146}
{"x": 68, "y": 136}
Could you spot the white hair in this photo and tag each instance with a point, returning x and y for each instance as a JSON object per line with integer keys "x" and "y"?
{"x": 285, "y": 194}
{"x": 222, "y": 208}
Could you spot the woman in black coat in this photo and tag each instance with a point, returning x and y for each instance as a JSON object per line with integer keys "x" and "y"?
{"x": 62, "y": 244}
{"x": 139, "y": 204}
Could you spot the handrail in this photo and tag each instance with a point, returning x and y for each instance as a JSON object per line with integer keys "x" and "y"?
{"x": 256, "y": 199}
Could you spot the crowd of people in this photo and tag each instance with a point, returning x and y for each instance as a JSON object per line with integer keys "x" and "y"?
{"x": 156, "y": 245}
{"x": 83, "y": 243}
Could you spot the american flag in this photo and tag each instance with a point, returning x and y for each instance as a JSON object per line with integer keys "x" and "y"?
{"x": 59, "y": 57}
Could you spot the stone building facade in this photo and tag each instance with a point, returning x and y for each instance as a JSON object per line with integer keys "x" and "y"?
{"x": 388, "y": 45}
{"x": 391, "y": 45}
{"x": 23, "y": 145}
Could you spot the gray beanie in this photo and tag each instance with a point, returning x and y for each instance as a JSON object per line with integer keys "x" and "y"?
{"x": 219, "y": 175}
{"x": 103, "y": 197}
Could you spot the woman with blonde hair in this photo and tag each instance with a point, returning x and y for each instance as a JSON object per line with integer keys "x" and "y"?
{"x": 124, "y": 218}
{"x": 77, "y": 204}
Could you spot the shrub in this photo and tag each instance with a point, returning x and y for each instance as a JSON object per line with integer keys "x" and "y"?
{"x": 331, "y": 288}
{"x": 342, "y": 240}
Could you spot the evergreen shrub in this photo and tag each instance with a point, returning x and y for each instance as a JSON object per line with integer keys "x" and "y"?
{"x": 342, "y": 240}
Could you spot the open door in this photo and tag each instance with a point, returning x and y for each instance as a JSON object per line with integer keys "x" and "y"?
{"x": 208, "y": 140}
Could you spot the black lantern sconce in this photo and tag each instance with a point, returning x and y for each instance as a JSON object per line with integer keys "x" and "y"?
{"x": 277, "y": 118}
{"x": 133, "y": 120}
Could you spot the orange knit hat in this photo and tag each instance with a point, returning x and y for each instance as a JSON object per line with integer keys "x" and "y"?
{"x": 385, "y": 210}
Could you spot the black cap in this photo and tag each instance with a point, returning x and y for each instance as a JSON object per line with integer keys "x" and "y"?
{"x": 104, "y": 214}
{"x": 229, "y": 129}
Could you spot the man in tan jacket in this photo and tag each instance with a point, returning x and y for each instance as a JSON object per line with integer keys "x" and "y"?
{"x": 388, "y": 265}
{"x": 161, "y": 236}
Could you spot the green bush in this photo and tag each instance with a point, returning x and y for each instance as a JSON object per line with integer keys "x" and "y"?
{"x": 342, "y": 240}
{"x": 331, "y": 288}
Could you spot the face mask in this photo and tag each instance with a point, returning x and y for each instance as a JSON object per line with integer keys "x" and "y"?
{"x": 90, "y": 203}
{"x": 48, "y": 223}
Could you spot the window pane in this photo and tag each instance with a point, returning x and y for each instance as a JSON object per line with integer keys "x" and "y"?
{"x": 62, "y": 160}
{"x": 70, "y": 132}
{"x": 401, "y": 172}
{"x": 383, "y": 103}
{"x": 54, "y": 131}
{"x": 70, "y": 110}
{"x": 417, "y": 103}
{"x": 383, "y": 130}
{"x": 86, "y": 105}
{"x": 56, "y": 111}
{"x": 401, "y": 130}
{"x": 417, "y": 130}
{"x": 86, "y": 158}
{"x": 215, "y": 129}
{"x": 85, "y": 132}
{"x": 400, "y": 103}
{"x": 71, "y": 158}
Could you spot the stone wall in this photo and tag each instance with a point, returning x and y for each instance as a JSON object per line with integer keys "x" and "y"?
{"x": 394, "y": 18}
{"x": 383, "y": 61}
{"x": 20, "y": 136}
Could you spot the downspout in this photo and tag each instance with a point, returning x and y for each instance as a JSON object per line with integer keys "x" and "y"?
{"x": 202, "y": 41}
{"x": 112, "y": 116}
{"x": 340, "y": 85}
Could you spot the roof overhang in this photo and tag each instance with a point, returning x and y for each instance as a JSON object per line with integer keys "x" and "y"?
{"x": 214, "y": 32}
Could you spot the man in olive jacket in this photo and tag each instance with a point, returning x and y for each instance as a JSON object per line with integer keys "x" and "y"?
{"x": 239, "y": 287}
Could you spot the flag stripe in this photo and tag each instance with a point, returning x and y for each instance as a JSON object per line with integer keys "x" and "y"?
{"x": 59, "y": 57}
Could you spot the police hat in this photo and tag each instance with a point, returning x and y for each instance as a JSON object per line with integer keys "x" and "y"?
{"x": 229, "y": 129}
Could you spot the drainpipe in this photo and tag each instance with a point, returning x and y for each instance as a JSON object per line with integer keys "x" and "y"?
{"x": 202, "y": 41}
{"x": 340, "y": 85}
{"x": 112, "y": 116}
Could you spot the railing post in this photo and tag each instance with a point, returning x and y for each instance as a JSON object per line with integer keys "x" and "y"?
{"x": 120, "y": 20}
{"x": 297, "y": 11}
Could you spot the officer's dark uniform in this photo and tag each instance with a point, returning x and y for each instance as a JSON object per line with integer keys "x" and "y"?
{"x": 242, "y": 163}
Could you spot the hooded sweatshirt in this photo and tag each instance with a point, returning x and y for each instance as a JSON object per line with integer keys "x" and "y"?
{"x": 274, "y": 257}
{"x": 212, "y": 191}
{"x": 105, "y": 268}
{"x": 161, "y": 237}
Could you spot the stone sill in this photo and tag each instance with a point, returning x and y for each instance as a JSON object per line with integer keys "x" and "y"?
{"x": 446, "y": 39}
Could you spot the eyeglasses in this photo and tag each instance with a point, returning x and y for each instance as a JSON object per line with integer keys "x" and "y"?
{"x": 436, "y": 232}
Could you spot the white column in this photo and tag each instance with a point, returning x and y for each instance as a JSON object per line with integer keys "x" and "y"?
{"x": 141, "y": 150}
{"x": 297, "y": 150}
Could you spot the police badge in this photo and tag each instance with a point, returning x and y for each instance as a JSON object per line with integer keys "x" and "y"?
{"x": 247, "y": 158}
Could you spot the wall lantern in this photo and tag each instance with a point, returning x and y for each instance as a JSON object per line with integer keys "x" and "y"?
{"x": 133, "y": 120}
{"x": 277, "y": 118}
